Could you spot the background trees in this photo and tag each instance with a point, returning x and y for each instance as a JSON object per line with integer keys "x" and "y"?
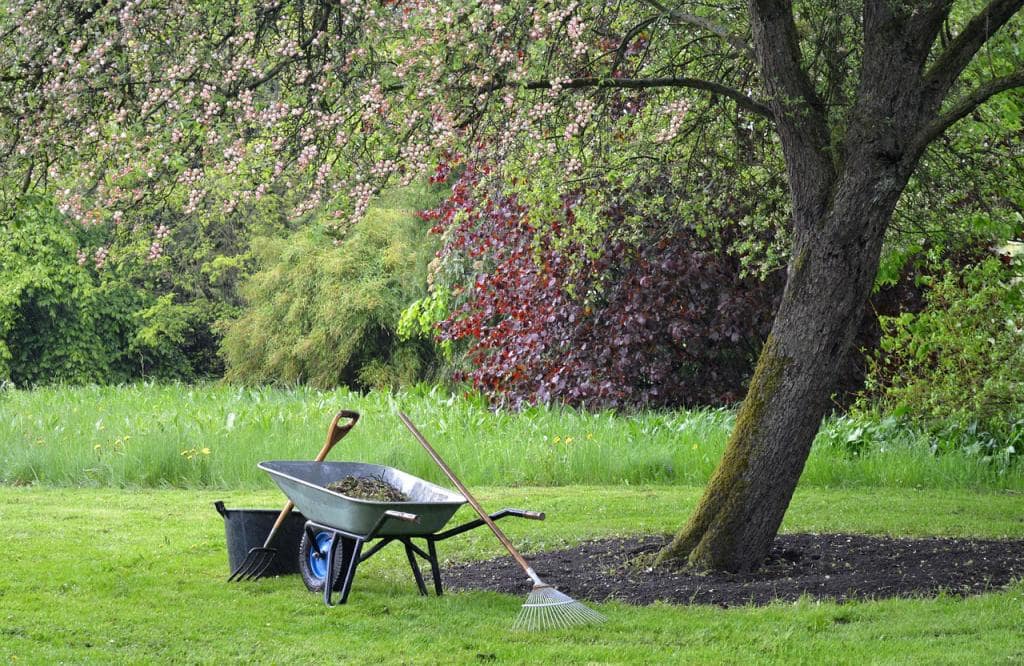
{"x": 68, "y": 314}
{"x": 325, "y": 314}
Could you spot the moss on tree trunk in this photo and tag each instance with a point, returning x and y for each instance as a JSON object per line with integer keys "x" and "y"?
{"x": 707, "y": 539}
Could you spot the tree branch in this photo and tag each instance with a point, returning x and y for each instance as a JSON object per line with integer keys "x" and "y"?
{"x": 799, "y": 112}
{"x": 620, "y": 53}
{"x": 742, "y": 100}
{"x": 955, "y": 58}
{"x": 925, "y": 24}
{"x": 780, "y": 53}
{"x": 964, "y": 106}
{"x": 706, "y": 24}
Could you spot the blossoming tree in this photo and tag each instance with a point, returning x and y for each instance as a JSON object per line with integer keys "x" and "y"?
{"x": 119, "y": 104}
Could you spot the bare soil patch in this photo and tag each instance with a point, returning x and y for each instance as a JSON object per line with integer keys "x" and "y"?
{"x": 836, "y": 567}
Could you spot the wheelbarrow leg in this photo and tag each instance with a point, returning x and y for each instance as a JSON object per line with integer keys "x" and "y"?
{"x": 417, "y": 574}
{"x": 351, "y": 548}
{"x": 435, "y": 568}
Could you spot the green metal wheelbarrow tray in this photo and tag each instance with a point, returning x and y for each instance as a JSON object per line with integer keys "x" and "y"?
{"x": 337, "y": 526}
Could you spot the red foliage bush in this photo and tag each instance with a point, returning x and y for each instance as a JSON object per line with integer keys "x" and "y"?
{"x": 664, "y": 322}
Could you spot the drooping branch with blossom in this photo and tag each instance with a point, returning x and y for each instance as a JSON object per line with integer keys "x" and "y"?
{"x": 115, "y": 105}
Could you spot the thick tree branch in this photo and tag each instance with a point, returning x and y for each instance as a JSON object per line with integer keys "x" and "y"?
{"x": 952, "y": 62}
{"x": 924, "y": 26}
{"x": 959, "y": 110}
{"x": 799, "y": 112}
{"x": 779, "y": 49}
{"x": 742, "y": 100}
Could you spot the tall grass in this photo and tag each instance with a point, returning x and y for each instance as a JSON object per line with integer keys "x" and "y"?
{"x": 213, "y": 436}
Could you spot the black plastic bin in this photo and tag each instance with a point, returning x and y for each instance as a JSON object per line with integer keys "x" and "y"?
{"x": 248, "y": 528}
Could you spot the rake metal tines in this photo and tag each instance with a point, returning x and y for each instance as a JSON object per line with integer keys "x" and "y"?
{"x": 547, "y": 608}
{"x": 255, "y": 563}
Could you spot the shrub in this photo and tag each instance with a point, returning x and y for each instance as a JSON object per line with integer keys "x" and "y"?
{"x": 662, "y": 320}
{"x": 66, "y": 318}
{"x": 47, "y": 323}
{"x": 325, "y": 314}
{"x": 961, "y": 359}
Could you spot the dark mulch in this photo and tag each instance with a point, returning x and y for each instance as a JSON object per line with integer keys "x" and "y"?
{"x": 820, "y": 566}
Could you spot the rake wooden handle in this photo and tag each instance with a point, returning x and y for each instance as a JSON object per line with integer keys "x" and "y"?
{"x": 472, "y": 500}
{"x": 334, "y": 434}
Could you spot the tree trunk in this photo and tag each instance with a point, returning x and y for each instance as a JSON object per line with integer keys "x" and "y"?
{"x": 843, "y": 195}
{"x": 844, "y": 187}
{"x": 830, "y": 275}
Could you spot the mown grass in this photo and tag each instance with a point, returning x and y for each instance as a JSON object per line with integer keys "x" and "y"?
{"x": 137, "y": 576}
{"x": 212, "y": 436}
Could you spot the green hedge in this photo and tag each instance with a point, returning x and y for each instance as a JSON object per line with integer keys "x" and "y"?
{"x": 71, "y": 321}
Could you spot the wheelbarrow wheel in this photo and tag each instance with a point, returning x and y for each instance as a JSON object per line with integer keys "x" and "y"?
{"x": 313, "y": 561}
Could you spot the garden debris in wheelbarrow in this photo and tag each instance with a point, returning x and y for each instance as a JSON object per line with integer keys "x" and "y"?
{"x": 305, "y": 483}
{"x": 374, "y": 488}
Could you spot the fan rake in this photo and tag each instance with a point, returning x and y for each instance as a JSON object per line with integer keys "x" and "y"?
{"x": 545, "y": 607}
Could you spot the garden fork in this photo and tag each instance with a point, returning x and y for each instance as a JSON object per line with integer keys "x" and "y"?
{"x": 259, "y": 558}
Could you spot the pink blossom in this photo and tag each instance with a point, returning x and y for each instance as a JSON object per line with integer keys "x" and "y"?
{"x": 100, "y": 258}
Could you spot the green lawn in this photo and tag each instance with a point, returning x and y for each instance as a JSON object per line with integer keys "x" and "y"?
{"x": 135, "y": 576}
{"x": 113, "y": 551}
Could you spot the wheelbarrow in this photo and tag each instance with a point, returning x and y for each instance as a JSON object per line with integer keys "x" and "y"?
{"x": 337, "y": 526}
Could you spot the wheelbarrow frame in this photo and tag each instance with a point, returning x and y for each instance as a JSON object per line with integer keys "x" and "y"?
{"x": 351, "y": 552}
{"x": 352, "y": 522}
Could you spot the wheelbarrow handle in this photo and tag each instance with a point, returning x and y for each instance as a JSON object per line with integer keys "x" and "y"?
{"x": 402, "y": 515}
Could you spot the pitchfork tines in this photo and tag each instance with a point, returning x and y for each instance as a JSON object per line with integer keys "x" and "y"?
{"x": 256, "y": 562}
{"x": 259, "y": 559}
